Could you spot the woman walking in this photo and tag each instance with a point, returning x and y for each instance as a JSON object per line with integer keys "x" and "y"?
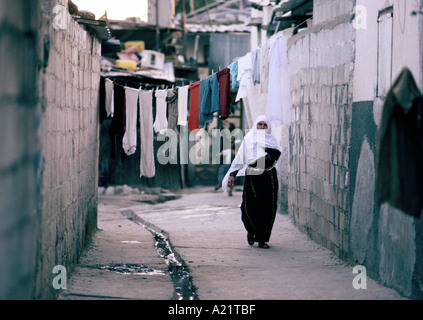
{"x": 256, "y": 158}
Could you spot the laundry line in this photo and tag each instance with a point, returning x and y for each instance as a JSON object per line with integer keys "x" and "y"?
{"x": 263, "y": 71}
{"x": 212, "y": 93}
{"x": 195, "y": 104}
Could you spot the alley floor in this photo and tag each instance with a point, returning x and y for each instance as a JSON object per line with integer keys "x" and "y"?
{"x": 141, "y": 242}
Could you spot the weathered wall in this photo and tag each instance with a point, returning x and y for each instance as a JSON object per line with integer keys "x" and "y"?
{"x": 49, "y": 153}
{"x": 19, "y": 150}
{"x": 337, "y": 106}
{"x": 321, "y": 62}
{"x": 69, "y": 87}
{"x": 384, "y": 239}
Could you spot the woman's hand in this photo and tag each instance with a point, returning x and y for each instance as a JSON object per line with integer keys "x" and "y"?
{"x": 231, "y": 182}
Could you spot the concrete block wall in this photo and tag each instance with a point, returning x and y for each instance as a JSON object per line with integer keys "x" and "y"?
{"x": 19, "y": 150}
{"x": 321, "y": 63}
{"x": 49, "y": 150}
{"x": 69, "y": 87}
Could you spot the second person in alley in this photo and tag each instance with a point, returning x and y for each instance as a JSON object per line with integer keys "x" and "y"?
{"x": 256, "y": 159}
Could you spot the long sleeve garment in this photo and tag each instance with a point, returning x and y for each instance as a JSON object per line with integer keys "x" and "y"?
{"x": 129, "y": 141}
{"x": 224, "y": 93}
{"x": 117, "y": 127}
{"x": 255, "y": 65}
{"x": 147, "y": 165}
{"x": 259, "y": 201}
{"x": 109, "y": 87}
{"x": 264, "y": 68}
{"x": 102, "y": 98}
{"x": 172, "y": 109}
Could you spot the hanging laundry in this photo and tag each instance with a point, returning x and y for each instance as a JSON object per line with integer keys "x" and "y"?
{"x": 117, "y": 127}
{"x": 194, "y": 90}
{"x": 233, "y": 71}
{"x": 102, "y": 100}
{"x": 161, "y": 111}
{"x": 264, "y": 68}
{"x": 172, "y": 109}
{"x": 399, "y": 170}
{"x": 209, "y": 99}
{"x": 109, "y": 98}
{"x": 255, "y": 65}
{"x": 147, "y": 165}
{"x": 129, "y": 141}
{"x": 224, "y": 93}
{"x": 183, "y": 105}
{"x": 244, "y": 76}
{"x": 279, "y": 95}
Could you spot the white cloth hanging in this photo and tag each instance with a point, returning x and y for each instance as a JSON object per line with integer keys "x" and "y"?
{"x": 279, "y": 95}
{"x": 110, "y": 109}
{"x": 183, "y": 106}
{"x": 256, "y": 65}
{"x": 161, "y": 108}
{"x": 147, "y": 166}
{"x": 129, "y": 141}
{"x": 264, "y": 68}
{"x": 244, "y": 76}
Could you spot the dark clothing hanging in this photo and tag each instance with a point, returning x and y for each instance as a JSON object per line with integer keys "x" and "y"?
{"x": 102, "y": 100}
{"x": 117, "y": 127}
{"x": 172, "y": 109}
{"x": 224, "y": 93}
{"x": 259, "y": 199}
{"x": 399, "y": 162}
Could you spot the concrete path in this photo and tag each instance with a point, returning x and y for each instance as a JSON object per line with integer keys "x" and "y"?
{"x": 208, "y": 239}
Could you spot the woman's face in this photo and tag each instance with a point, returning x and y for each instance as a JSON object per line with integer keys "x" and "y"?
{"x": 261, "y": 125}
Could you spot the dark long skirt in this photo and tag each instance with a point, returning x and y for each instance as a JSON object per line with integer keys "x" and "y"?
{"x": 259, "y": 204}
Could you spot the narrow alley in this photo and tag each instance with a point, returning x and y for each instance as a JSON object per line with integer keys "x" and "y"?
{"x": 207, "y": 238}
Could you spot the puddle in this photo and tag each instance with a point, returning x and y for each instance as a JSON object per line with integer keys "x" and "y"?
{"x": 179, "y": 272}
{"x": 133, "y": 269}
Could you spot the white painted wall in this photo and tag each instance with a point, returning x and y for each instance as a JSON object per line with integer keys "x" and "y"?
{"x": 405, "y": 47}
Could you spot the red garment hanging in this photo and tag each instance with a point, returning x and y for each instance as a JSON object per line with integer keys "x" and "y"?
{"x": 194, "y": 100}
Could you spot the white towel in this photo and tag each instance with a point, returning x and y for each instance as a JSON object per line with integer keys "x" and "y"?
{"x": 183, "y": 105}
{"x": 244, "y": 76}
{"x": 110, "y": 109}
{"x": 129, "y": 141}
{"x": 161, "y": 109}
{"x": 147, "y": 166}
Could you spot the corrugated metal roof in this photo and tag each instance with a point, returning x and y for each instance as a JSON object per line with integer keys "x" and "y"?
{"x": 195, "y": 28}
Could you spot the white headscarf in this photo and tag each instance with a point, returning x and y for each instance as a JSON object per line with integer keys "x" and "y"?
{"x": 252, "y": 148}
